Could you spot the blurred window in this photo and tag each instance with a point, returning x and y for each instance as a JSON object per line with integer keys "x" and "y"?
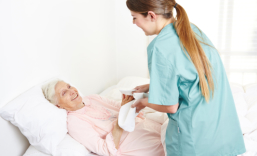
{"x": 232, "y": 27}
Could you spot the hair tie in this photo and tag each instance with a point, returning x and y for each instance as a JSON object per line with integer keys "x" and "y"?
{"x": 175, "y": 5}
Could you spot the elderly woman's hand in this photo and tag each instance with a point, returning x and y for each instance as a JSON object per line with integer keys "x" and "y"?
{"x": 117, "y": 130}
{"x": 126, "y": 99}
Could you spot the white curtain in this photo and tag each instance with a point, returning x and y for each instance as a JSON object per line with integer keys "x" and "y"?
{"x": 232, "y": 27}
{"x": 237, "y": 42}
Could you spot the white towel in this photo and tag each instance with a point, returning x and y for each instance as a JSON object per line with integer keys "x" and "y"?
{"x": 127, "y": 114}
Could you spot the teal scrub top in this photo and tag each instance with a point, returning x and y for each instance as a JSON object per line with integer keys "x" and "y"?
{"x": 197, "y": 128}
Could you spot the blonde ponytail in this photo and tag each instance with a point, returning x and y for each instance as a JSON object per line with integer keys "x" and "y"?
{"x": 192, "y": 45}
{"x": 187, "y": 37}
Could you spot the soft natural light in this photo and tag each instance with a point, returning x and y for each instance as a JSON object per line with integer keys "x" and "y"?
{"x": 232, "y": 27}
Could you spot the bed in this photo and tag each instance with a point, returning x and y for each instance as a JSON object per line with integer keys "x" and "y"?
{"x": 13, "y": 142}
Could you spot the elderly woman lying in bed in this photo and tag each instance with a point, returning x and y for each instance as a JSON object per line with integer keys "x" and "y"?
{"x": 92, "y": 121}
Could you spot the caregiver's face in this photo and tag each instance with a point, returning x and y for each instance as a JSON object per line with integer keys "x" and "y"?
{"x": 67, "y": 96}
{"x": 145, "y": 23}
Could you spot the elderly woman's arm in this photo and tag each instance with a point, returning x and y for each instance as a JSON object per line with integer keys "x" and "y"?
{"x": 116, "y": 133}
{"x": 84, "y": 133}
{"x": 117, "y": 130}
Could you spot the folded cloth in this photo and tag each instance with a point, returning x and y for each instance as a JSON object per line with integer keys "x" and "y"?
{"x": 127, "y": 114}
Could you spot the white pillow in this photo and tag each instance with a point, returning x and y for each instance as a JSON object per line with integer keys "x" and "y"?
{"x": 251, "y": 95}
{"x": 129, "y": 82}
{"x": 41, "y": 122}
{"x": 239, "y": 99}
{"x": 246, "y": 125}
{"x": 68, "y": 147}
{"x": 240, "y": 103}
{"x": 132, "y": 81}
{"x": 108, "y": 90}
{"x": 252, "y": 116}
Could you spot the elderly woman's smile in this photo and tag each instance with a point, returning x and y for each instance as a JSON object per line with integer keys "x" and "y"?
{"x": 67, "y": 97}
{"x": 75, "y": 97}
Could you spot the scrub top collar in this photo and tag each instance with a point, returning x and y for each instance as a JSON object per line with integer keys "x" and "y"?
{"x": 167, "y": 28}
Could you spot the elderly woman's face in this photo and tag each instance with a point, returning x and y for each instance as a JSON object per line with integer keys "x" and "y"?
{"x": 67, "y": 96}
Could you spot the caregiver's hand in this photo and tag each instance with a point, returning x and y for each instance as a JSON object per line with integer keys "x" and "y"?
{"x": 126, "y": 99}
{"x": 140, "y": 104}
{"x": 142, "y": 88}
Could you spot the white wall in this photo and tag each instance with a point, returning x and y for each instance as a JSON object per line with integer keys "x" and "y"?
{"x": 93, "y": 44}
{"x": 131, "y": 44}
{"x": 74, "y": 39}
{"x": 205, "y": 15}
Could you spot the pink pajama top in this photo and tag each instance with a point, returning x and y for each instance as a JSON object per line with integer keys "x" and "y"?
{"x": 92, "y": 126}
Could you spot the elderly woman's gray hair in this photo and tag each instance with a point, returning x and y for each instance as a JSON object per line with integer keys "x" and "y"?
{"x": 49, "y": 91}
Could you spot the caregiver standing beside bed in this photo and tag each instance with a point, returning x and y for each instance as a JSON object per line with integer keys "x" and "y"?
{"x": 188, "y": 81}
{"x": 92, "y": 121}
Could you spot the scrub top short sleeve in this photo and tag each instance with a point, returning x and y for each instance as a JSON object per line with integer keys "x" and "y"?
{"x": 163, "y": 88}
{"x": 198, "y": 128}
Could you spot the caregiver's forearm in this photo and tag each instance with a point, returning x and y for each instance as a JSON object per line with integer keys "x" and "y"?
{"x": 116, "y": 133}
{"x": 166, "y": 109}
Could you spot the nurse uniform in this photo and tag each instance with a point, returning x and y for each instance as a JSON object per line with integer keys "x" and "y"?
{"x": 197, "y": 128}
